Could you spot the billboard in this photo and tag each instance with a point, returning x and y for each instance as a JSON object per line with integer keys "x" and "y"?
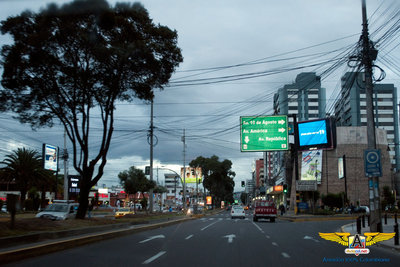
{"x": 340, "y": 168}
{"x": 264, "y": 133}
{"x": 311, "y": 166}
{"x": 315, "y": 134}
{"x": 50, "y": 157}
{"x": 192, "y": 175}
{"x": 73, "y": 184}
{"x": 209, "y": 200}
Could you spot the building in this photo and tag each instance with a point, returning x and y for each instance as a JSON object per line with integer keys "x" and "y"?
{"x": 351, "y": 142}
{"x": 306, "y": 99}
{"x": 351, "y": 110}
{"x": 174, "y": 186}
{"x": 259, "y": 176}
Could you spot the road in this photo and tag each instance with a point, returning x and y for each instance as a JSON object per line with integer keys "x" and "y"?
{"x": 219, "y": 240}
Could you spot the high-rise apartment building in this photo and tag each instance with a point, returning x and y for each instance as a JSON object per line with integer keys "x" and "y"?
{"x": 304, "y": 98}
{"x": 351, "y": 110}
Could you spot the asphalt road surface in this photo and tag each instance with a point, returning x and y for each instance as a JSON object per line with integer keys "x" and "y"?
{"x": 219, "y": 240}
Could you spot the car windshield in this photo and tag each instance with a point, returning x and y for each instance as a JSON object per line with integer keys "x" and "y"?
{"x": 57, "y": 208}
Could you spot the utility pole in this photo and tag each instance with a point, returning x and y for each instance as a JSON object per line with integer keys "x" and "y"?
{"x": 373, "y": 182}
{"x": 151, "y": 156}
{"x": 184, "y": 170}
{"x": 65, "y": 157}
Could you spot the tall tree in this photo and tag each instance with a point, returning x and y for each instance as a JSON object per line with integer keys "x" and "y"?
{"x": 218, "y": 177}
{"x": 77, "y": 60}
{"x": 24, "y": 168}
{"x": 134, "y": 180}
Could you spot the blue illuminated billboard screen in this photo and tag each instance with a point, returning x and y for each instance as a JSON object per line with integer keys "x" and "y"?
{"x": 315, "y": 134}
{"x": 312, "y": 133}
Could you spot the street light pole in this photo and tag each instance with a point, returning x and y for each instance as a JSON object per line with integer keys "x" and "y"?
{"x": 184, "y": 170}
{"x": 373, "y": 182}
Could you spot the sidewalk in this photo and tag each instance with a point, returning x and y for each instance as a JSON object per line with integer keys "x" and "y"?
{"x": 301, "y": 217}
{"x": 386, "y": 228}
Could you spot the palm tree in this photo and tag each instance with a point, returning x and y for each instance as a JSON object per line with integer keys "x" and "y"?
{"x": 24, "y": 168}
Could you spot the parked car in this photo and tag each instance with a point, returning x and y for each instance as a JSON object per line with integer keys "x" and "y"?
{"x": 237, "y": 212}
{"x": 59, "y": 210}
{"x": 4, "y": 208}
{"x": 362, "y": 209}
{"x": 121, "y": 212}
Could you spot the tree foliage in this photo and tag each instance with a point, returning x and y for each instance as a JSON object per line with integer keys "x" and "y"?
{"x": 75, "y": 61}
{"x": 24, "y": 167}
{"x": 218, "y": 177}
{"x": 333, "y": 200}
{"x": 134, "y": 180}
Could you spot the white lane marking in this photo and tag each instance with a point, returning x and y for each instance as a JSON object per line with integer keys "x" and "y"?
{"x": 311, "y": 238}
{"x": 151, "y": 238}
{"x": 204, "y": 228}
{"x": 284, "y": 254}
{"x": 259, "y": 228}
{"x": 154, "y": 257}
{"x": 211, "y": 219}
{"x": 267, "y": 236}
{"x": 230, "y": 237}
{"x": 275, "y": 244}
{"x": 188, "y": 237}
{"x": 220, "y": 219}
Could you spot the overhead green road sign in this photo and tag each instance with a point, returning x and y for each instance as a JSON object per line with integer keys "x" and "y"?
{"x": 264, "y": 133}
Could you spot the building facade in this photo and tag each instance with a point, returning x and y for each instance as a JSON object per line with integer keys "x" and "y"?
{"x": 351, "y": 142}
{"x": 351, "y": 110}
{"x": 306, "y": 99}
{"x": 174, "y": 186}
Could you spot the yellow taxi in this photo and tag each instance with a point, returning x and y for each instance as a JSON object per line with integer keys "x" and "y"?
{"x": 123, "y": 212}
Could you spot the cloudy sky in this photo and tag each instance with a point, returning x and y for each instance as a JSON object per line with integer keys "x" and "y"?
{"x": 237, "y": 54}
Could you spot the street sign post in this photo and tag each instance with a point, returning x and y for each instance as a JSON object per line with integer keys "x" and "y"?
{"x": 372, "y": 163}
{"x": 264, "y": 133}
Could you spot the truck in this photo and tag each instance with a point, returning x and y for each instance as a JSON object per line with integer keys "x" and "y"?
{"x": 264, "y": 209}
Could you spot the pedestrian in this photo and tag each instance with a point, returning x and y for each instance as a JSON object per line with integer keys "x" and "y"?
{"x": 282, "y": 208}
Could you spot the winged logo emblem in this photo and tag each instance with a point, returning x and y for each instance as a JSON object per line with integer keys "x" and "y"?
{"x": 357, "y": 244}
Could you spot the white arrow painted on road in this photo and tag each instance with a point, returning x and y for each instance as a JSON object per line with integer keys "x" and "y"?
{"x": 311, "y": 238}
{"x": 151, "y": 238}
{"x": 230, "y": 237}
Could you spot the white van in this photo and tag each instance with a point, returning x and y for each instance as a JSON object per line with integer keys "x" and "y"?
{"x": 59, "y": 210}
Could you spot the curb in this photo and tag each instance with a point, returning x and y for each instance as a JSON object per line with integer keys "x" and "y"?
{"x": 42, "y": 249}
{"x": 315, "y": 219}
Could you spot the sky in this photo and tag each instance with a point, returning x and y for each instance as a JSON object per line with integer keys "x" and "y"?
{"x": 237, "y": 54}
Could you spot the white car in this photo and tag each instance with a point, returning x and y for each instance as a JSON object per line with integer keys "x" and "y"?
{"x": 237, "y": 212}
{"x": 60, "y": 210}
{"x": 4, "y": 208}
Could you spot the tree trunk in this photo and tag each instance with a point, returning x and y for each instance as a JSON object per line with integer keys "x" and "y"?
{"x": 23, "y": 197}
{"x": 83, "y": 199}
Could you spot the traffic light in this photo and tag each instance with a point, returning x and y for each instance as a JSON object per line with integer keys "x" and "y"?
{"x": 243, "y": 184}
{"x": 285, "y": 188}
